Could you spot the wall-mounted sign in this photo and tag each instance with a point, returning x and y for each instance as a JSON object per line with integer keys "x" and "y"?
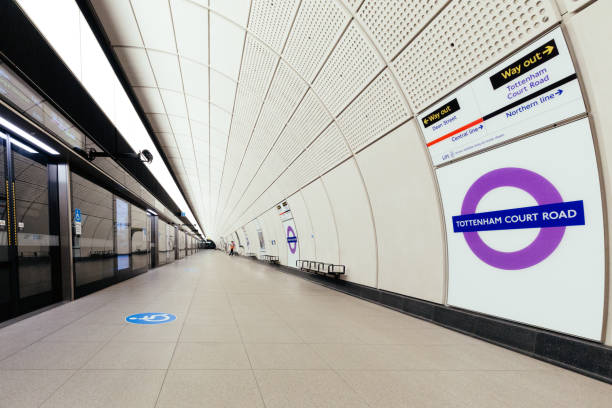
{"x": 525, "y": 232}
{"x": 77, "y": 222}
{"x": 535, "y": 87}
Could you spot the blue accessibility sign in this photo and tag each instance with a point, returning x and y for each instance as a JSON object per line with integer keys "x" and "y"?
{"x": 77, "y": 215}
{"x": 150, "y": 318}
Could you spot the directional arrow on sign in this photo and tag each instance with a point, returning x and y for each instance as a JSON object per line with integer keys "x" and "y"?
{"x": 559, "y": 92}
{"x": 548, "y": 49}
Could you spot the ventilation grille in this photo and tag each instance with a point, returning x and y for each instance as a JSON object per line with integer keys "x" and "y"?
{"x": 376, "y": 111}
{"x": 354, "y": 4}
{"x": 308, "y": 122}
{"x": 349, "y": 68}
{"x": 394, "y": 22}
{"x": 466, "y": 37}
{"x": 315, "y": 31}
{"x": 270, "y": 20}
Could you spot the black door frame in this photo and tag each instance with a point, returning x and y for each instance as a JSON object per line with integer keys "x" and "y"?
{"x": 17, "y": 305}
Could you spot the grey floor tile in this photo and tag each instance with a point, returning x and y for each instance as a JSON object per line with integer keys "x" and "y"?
{"x": 168, "y": 332}
{"x": 85, "y": 332}
{"x": 52, "y": 355}
{"x": 210, "y": 388}
{"x": 29, "y": 388}
{"x": 132, "y": 355}
{"x": 108, "y": 388}
{"x": 269, "y": 334}
{"x": 284, "y": 356}
{"x": 210, "y": 356}
{"x": 305, "y": 389}
{"x": 206, "y": 333}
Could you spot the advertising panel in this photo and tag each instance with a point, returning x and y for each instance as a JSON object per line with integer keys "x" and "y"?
{"x": 293, "y": 249}
{"x": 525, "y": 232}
{"x": 535, "y": 87}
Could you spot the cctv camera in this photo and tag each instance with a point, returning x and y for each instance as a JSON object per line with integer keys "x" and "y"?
{"x": 146, "y": 156}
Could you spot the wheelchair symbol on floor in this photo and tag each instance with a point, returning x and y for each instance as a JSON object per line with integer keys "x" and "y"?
{"x": 150, "y": 318}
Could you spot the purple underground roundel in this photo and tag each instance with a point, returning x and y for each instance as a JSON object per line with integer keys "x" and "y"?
{"x": 291, "y": 239}
{"x": 541, "y": 190}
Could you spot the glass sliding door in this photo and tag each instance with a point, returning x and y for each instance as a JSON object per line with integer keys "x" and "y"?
{"x": 93, "y": 245}
{"x": 29, "y": 240}
{"x": 140, "y": 240}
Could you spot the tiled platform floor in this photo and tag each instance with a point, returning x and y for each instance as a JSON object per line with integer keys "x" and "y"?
{"x": 247, "y": 335}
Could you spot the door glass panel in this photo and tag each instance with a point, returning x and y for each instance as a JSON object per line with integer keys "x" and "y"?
{"x": 92, "y": 246}
{"x": 140, "y": 244}
{"x": 5, "y": 293}
{"x": 171, "y": 244}
{"x": 122, "y": 234}
{"x": 34, "y": 239}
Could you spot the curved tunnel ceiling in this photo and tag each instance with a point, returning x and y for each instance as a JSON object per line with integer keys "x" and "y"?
{"x": 251, "y": 100}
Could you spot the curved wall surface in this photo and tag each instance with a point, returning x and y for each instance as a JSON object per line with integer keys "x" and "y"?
{"x": 364, "y": 190}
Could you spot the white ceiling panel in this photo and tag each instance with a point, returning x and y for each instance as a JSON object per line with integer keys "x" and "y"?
{"x": 136, "y": 65}
{"x": 220, "y": 119}
{"x": 150, "y": 99}
{"x": 155, "y": 24}
{"x": 179, "y": 125}
{"x": 235, "y": 10}
{"x": 198, "y": 109}
{"x": 195, "y": 78}
{"x": 174, "y": 102}
{"x": 119, "y": 16}
{"x": 222, "y": 90}
{"x": 199, "y": 131}
{"x": 191, "y": 29}
{"x": 166, "y": 69}
{"x": 159, "y": 122}
{"x": 226, "y": 41}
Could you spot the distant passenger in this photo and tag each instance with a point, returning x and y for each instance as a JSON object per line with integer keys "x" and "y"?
{"x": 232, "y": 246}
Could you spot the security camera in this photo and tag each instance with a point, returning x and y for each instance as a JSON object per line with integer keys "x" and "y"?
{"x": 146, "y": 156}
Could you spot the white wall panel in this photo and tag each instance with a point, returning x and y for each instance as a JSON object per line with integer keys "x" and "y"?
{"x": 323, "y": 224}
{"x": 590, "y": 32}
{"x": 354, "y": 223}
{"x": 407, "y": 214}
{"x": 466, "y": 37}
{"x": 303, "y": 225}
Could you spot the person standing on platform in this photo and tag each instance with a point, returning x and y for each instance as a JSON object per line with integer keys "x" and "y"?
{"x": 232, "y": 246}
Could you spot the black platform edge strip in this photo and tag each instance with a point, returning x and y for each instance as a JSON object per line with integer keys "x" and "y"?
{"x": 584, "y": 357}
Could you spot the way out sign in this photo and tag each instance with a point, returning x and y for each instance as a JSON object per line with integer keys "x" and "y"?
{"x": 150, "y": 318}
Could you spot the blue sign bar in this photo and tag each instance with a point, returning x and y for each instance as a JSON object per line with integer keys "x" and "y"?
{"x": 539, "y": 216}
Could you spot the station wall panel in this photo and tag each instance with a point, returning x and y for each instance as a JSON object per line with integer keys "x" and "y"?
{"x": 589, "y": 32}
{"x": 407, "y": 214}
{"x": 303, "y": 225}
{"x": 356, "y": 234}
{"x": 323, "y": 224}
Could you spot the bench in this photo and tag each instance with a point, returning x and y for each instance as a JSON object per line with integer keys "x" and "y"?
{"x": 270, "y": 258}
{"x": 320, "y": 267}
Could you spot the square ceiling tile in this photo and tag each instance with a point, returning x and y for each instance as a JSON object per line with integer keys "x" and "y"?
{"x": 222, "y": 90}
{"x": 174, "y": 102}
{"x": 180, "y": 125}
{"x": 136, "y": 65}
{"x": 191, "y": 29}
{"x": 159, "y": 122}
{"x": 226, "y": 42}
{"x": 195, "y": 78}
{"x": 235, "y": 10}
{"x": 220, "y": 119}
{"x": 149, "y": 99}
{"x": 198, "y": 109}
{"x": 119, "y": 22}
{"x": 166, "y": 69}
{"x": 155, "y": 24}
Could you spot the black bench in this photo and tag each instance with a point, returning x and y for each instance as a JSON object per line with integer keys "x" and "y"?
{"x": 320, "y": 267}
{"x": 270, "y": 258}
